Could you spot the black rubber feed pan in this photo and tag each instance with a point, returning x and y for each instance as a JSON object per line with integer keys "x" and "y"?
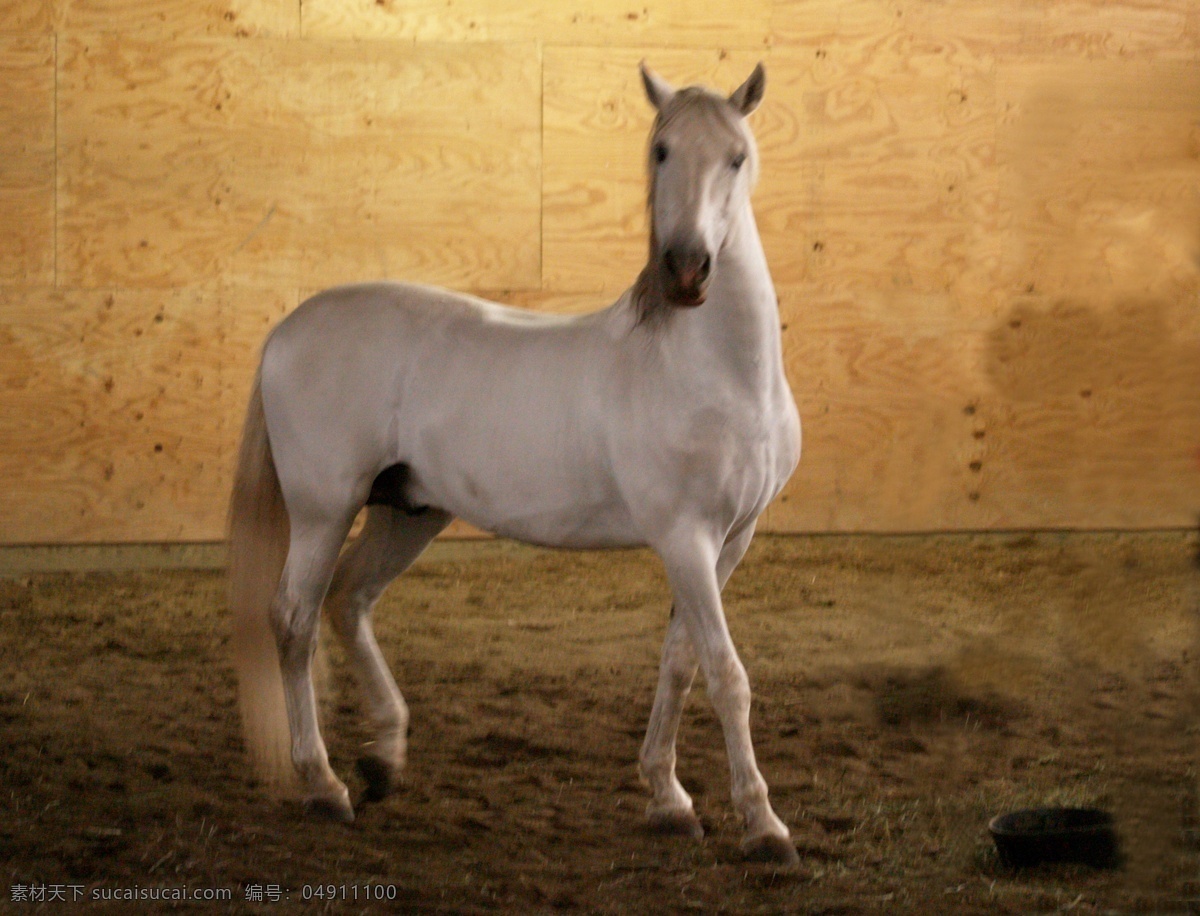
{"x": 1037, "y": 836}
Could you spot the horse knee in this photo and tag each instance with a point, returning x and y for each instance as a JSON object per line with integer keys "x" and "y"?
{"x": 679, "y": 674}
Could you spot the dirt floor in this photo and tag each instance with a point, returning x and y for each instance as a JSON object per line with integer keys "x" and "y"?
{"x": 905, "y": 690}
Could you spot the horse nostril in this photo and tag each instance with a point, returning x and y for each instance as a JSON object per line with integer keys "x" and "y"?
{"x": 671, "y": 262}
{"x": 692, "y": 265}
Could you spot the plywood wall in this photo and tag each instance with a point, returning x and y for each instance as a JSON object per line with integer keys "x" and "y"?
{"x": 983, "y": 220}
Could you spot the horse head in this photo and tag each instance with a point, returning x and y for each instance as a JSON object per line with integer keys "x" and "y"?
{"x": 702, "y": 164}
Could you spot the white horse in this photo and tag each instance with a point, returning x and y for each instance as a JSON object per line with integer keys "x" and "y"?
{"x": 664, "y": 420}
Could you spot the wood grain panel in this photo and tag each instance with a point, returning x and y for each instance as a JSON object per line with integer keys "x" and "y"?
{"x": 1062, "y": 417}
{"x": 1094, "y": 359}
{"x": 1090, "y": 29}
{"x": 814, "y": 22}
{"x": 664, "y": 23}
{"x": 876, "y": 175}
{"x": 1066, "y": 28}
{"x": 1063, "y": 385}
{"x": 27, "y": 16}
{"x": 236, "y": 18}
{"x": 886, "y": 388}
{"x": 121, "y": 411}
{"x": 1078, "y": 366}
{"x": 1098, "y": 411}
{"x": 26, "y": 159}
{"x": 1100, "y": 169}
{"x": 297, "y": 163}
{"x": 239, "y": 18}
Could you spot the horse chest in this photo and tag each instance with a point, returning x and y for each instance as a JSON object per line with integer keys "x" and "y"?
{"x": 739, "y": 454}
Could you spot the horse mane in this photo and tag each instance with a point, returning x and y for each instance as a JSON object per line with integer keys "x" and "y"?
{"x": 649, "y": 304}
{"x": 648, "y": 301}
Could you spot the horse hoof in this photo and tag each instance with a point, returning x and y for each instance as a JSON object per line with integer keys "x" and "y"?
{"x": 676, "y": 823}
{"x": 380, "y": 778}
{"x": 327, "y": 809}
{"x": 772, "y": 850}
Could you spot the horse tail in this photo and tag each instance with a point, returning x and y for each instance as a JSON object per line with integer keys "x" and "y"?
{"x": 258, "y": 546}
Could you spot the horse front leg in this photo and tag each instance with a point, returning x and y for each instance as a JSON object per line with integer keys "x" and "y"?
{"x": 671, "y": 810}
{"x": 691, "y": 564}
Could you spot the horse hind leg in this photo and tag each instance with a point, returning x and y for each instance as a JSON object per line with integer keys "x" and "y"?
{"x": 391, "y": 539}
{"x": 295, "y": 615}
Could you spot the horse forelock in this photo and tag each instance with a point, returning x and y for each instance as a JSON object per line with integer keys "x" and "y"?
{"x": 715, "y": 116}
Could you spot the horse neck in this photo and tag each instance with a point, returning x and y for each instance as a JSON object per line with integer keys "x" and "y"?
{"x": 737, "y": 329}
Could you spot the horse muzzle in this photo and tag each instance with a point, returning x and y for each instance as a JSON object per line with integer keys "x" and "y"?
{"x": 687, "y": 272}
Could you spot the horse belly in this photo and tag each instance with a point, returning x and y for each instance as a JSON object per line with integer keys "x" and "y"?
{"x": 593, "y": 526}
{"x": 553, "y": 516}
{"x": 516, "y": 483}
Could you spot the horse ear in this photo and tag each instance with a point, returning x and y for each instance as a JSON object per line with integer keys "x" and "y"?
{"x": 658, "y": 90}
{"x": 747, "y": 96}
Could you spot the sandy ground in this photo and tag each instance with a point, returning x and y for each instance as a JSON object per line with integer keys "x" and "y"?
{"x": 906, "y": 689}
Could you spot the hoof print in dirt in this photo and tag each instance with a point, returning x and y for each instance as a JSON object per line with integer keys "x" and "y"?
{"x": 772, "y": 850}
{"x": 322, "y": 809}
{"x": 380, "y": 779}
{"x": 676, "y": 824}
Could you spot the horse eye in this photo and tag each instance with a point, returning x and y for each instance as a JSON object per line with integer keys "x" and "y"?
{"x": 737, "y": 161}
{"x": 660, "y": 153}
